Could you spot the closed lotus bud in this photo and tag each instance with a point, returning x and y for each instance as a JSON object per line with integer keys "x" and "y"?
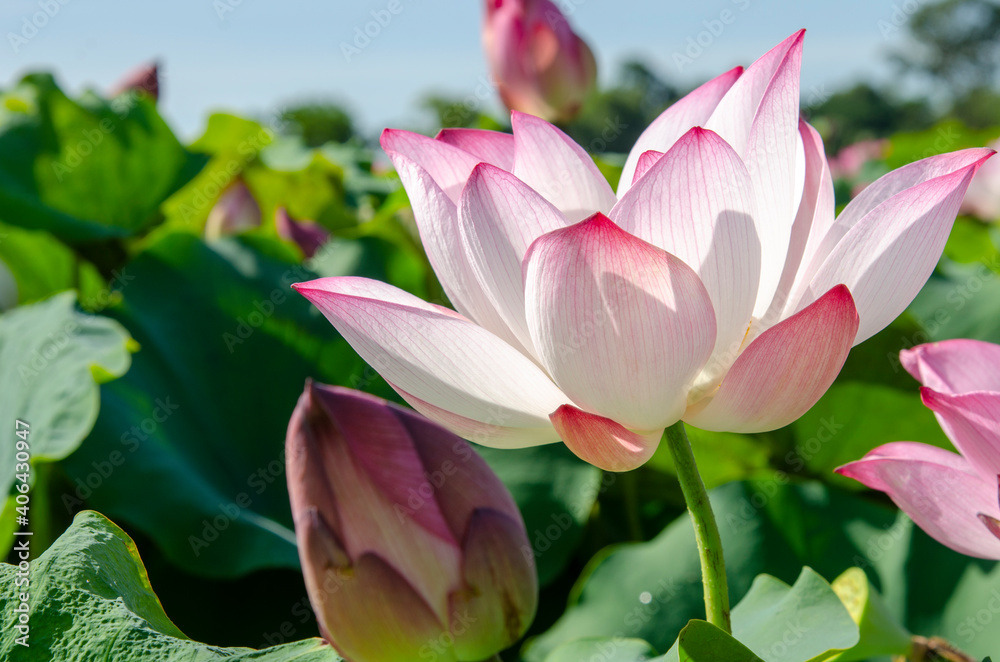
{"x": 307, "y": 234}
{"x": 144, "y": 77}
{"x": 540, "y": 65}
{"x": 412, "y": 548}
{"x": 236, "y": 211}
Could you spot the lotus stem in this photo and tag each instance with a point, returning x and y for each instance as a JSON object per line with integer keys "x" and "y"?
{"x": 706, "y": 530}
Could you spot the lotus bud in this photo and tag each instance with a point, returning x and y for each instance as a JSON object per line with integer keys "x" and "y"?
{"x": 412, "y": 548}
{"x": 540, "y": 65}
{"x": 307, "y": 234}
{"x": 145, "y": 77}
{"x": 236, "y": 211}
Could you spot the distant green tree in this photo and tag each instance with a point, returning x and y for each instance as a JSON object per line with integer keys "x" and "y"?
{"x": 318, "y": 123}
{"x": 452, "y": 112}
{"x": 978, "y": 108}
{"x": 955, "y": 44}
{"x": 864, "y": 112}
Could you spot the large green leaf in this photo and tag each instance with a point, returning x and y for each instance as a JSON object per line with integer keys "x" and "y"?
{"x": 86, "y": 169}
{"x": 90, "y": 600}
{"x": 960, "y": 301}
{"x": 605, "y": 650}
{"x": 805, "y": 622}
{"x": 198, "y": 424}
{"x": 703, "y": 642}
{"x": 52, "y": 359}
{"x": 42, "y": 266}
{"x": 556, "y": 493}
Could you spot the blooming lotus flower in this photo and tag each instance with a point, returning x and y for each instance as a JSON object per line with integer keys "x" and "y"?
{"x": 953, "y": 497}
{"x": 540, "y": 65}
{"x": 716, "y": 287}
{"x": 236, "y": 211}
{"x": 983, "y": 198}
{"x": 411, "y": 546}
{"x": 307, "y": 234}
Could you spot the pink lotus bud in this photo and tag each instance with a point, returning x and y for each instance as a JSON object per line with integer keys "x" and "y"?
{"x": 236, "y": 211}
{"x": 307, "y": 234}
{"x": 541, "y": 67}
{"x": 144, "y": 77}
{"x": 411, "y": 546}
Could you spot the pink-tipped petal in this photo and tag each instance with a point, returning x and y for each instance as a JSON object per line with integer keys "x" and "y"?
{"x": 498, "y": 561}
{"x": 692, "y": 110}
{"x": 500, "y": 216}
{"x": 448, "y": 166}
{"x": 549, "y": 161}
{"x": 937, "y": 489}
{"x": 441, "y": 358}
{"x": 646, "y": 161}
{"x": 492, "y": 432}
{"x": 437, "y": 221}
{"x": 493, "y": 147}
{"x": 785, "y": 370}
{"x": 603, "y": 442}
{"x": 823, "y": 242}
{"x": 759, "y": 117}
{"x": 972, "y": 422}
{"x": 814, "y": 218}
{"x": 697, "y": 203}
{"x": 955, "y": 366}
{"x": 890, "y": 253}
{"x": 621, "y": 325}
{"x": 735, "y": 113}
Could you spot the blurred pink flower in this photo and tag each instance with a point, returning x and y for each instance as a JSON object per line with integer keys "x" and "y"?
{"x": 851, "y": 159}
{"x": 952, "y": 497}
{"x": 411, "y": 546}
{"x": 540, "y": 65}
{"x": 716, "y": 288}
{"x": 308, "y": 235}
{"x": 236, "y": 211}
{"x": 145, "y": 77}
{"x": 983, "y": 198}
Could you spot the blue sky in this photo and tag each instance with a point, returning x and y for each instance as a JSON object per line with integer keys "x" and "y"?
{"x": 252, "y": 56}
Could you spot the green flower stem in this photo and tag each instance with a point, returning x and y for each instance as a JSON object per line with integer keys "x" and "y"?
{"x": 706, "y": 530}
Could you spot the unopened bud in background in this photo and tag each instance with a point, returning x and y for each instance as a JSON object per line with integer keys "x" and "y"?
{"x": 540, "y": 65}
{"x": 236, "y": 211}
{"x": 145, "y": 77}
{"x": 307, "y": 234}
{"x": 411, "y": 546}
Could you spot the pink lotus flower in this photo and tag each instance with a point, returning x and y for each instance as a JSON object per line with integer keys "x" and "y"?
{"x": 411, "y": 546}
{"x": 236, "y": 211}
{"x": 540, "y": 66}
{"x": 716, "y": 288}
{"x": 952, "y": 497}
{"x": 308, "y": 235}
{"x": 983, "y": 198}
